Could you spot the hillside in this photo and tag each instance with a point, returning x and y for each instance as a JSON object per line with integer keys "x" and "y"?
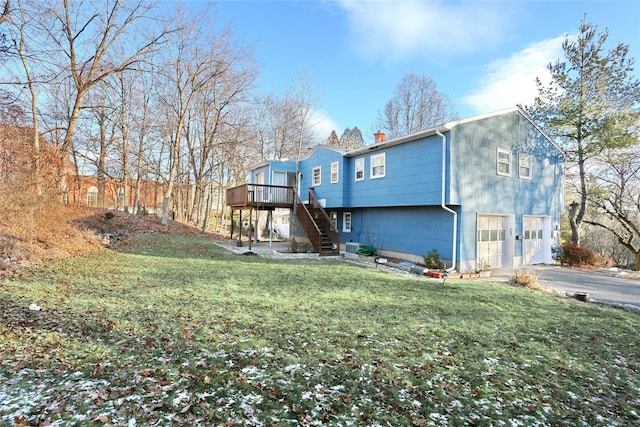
{"x": 67, "y": 231}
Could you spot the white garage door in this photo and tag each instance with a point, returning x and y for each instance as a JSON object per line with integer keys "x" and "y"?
{"x": 534, "y": 243}
{"x": 492, "y": 241}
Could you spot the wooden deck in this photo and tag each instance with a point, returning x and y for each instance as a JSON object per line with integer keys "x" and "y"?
{"x": 319, "y": 229}
{"x": 260, "y": 197}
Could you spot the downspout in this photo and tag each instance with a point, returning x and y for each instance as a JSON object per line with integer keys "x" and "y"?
{"x": 442, "y": 200}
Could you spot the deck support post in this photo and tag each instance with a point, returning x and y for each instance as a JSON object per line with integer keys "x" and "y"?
{"x": 270, "y": 219}
{"x": 231, "y": 237}
{"x": 250, "y": 227}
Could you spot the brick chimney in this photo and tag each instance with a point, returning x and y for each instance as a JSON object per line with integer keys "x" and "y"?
{"x": 379, "y": 137}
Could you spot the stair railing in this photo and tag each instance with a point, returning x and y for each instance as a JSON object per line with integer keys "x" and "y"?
{"x": 308, "y": 225}
{"x": 324, "y": 221}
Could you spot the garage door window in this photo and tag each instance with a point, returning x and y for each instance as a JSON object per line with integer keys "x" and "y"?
{"x": 491, "y": 235}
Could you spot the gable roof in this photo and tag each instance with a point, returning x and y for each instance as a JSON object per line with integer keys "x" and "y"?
{"x": 338, "y": 150}
{"x": 446, "y": 127}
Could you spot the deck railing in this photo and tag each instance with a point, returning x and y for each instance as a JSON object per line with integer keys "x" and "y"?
{"x": 260, "y": 195}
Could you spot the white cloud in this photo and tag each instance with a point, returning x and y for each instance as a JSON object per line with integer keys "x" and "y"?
{"x": 399, "y": 29}
{"x": 509, "y": 81}
{"x": 322, "y": 125}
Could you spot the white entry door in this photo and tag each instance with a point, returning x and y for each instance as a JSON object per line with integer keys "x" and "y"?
{"x": 493, "y": 250}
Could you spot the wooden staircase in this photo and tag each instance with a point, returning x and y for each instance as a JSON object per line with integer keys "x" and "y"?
{"x": 315, "y": 222}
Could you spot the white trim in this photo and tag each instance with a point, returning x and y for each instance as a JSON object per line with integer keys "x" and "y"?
{"x": 373, "y": 165}
{"x": 530, "y": 160}
{"x": 498, "y": 163}
{"x": 446, "y": 127}
{"x": 313, "y": 176}
{"x": 355, "y": 175}
{"x": 337, "y": 179}
{"x": 344, "y": 222}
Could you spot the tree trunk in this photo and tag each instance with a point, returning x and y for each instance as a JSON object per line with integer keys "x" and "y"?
{"x": 638, "y": 260}
{"x": 165, "y": 211}
{"x": 575, "y": 226}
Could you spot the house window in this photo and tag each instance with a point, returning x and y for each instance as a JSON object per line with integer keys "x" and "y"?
{"x": 333, "y": 216}
{"x": 92, "y": 196}
{"x": 316, "y": 176}
{"x": 360, "y": 169}
{"x": 504, "y": 162}
{"x": 334, "y": 172}
{"x": 377, "y": 166}
{"x": 120, "y": 197}
{"x": 346, "y": 222}
{"x": 524, "y": 166}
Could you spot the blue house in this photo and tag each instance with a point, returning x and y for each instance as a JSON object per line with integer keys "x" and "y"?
{"x": 486, "y": 191}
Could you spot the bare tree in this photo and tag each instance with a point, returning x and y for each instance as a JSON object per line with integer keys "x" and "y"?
{"x": 284, "y": 125}
{"x": 416, "y": 105}
{"x": 20, "y": 45}
{"x": 198, "y": 60}
{"x": 616, "y": 197}
{"x": 215, "y": 113}
{"x": 5, "y": 11}
{"x": 144, "y": 129}
{"x": 95, "y": 144}
{"x": 86, "y": 33}
{"x": 606, "y": 244}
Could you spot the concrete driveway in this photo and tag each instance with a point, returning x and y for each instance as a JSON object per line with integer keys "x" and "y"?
{"x": 601, "y": 285}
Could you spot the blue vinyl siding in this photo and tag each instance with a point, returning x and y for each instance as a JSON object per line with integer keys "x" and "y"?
{"x": 415, "y": 230}
{"x": 401, "y": 211}
{"x": 476, "y": 185}
{"x": 270, "y": 167}
{"x": 332, "y": 192}
{"x": 412, "y": 176}
{"x": 264, "y": 170}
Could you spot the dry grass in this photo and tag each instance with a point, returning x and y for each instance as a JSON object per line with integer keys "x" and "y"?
{"x": 56, "y": 231}
{"x": 42, "y": 235}
{"x": 527, "y": 279}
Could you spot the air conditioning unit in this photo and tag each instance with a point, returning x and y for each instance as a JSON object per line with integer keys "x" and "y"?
{"x": 351, "y": 247}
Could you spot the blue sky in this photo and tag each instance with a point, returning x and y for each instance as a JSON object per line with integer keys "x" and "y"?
{"x": 484, "y": 55}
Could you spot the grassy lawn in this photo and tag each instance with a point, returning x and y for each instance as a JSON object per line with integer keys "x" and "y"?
{"x": 181, "y": 332}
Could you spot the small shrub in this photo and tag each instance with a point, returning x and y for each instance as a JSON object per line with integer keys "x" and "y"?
{"x": 527, "y": 280}
{"x": 109, "y": 215}
{"x": 432, "y": 260}
{"x": 367, "y": 250}
{"x": 574, "y": 254}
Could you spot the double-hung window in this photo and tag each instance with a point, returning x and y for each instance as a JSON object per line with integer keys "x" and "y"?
{"x": 524, "y": 166}
{"x": 316, "y": 176}
{"x": 335, "y": 172}
{"x": 378, "y": 165}
{"x": 504, "y": 162}
{"x": 92, "y": 196}
{"x": 359, "y": 169}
